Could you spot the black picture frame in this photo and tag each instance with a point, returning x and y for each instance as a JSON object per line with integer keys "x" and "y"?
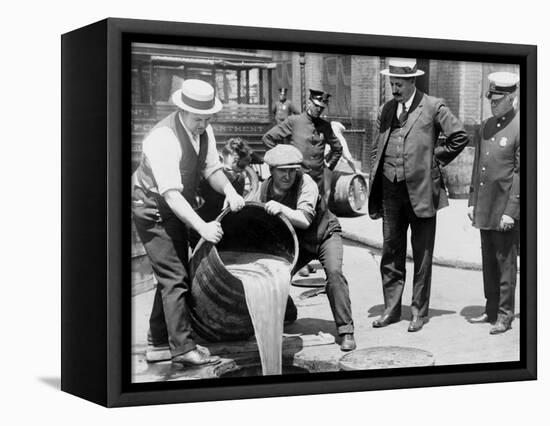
{"x": 95, "y": 212}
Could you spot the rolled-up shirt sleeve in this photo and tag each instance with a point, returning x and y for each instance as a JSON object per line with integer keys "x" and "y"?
{"x": 212, "y": 161}
{"x": 308, "y": 193}
{"x": 162, "y": 150}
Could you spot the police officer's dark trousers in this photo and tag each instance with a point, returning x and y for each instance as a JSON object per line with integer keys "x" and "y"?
{"x": 499, "y": 251}
{"x": 165, "y": 239}
{"x": 398, "y": 214}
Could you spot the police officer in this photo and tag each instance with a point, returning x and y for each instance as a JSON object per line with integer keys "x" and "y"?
{"x": 283, "y": 108}
{"x": 309, "y": 133}
{"x": 494, "y": 201}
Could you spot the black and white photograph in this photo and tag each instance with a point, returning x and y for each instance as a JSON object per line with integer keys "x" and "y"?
{"x": 297, "y": 213}
{"x": 280, "y": 213}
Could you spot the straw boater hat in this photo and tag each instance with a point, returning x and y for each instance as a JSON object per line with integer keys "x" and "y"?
{"x": 284, "y": 156}
{"x": 501, "y": 83}
{"x": 402, "y": 67}
{"x": 196, "y": 96}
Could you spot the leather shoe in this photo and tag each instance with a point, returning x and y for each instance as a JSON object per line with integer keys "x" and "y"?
{"x": 195, "y": 357}
{"x": 480, "y": 319}
{"x": 416, "y": 324}
{"x": 384, "y": 321}
{"x": 500, "y": 327}
{"x": 347, "y": 343}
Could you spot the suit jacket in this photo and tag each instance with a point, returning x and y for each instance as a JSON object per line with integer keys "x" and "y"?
{"x": 495, "y": 175}
{"x": 428, "y": 117}
{"x": 309, "y": 135}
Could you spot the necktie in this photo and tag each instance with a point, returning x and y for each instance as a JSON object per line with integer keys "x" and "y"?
{"x": 403, "y": 116}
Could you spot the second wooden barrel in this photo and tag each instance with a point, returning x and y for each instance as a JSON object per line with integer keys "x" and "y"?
{"x": 217, "y": 301}
{"x": 457, "y": 175}
{"x": 349, "y": 192}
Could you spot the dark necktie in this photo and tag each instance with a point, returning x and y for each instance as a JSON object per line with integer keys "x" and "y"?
{"x": 403, "y": 116}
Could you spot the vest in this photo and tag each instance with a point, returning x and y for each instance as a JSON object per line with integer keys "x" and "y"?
{"x": 191, "y": 163}
{"x": 324, "y": 222}
{"x": 393, "y": 167}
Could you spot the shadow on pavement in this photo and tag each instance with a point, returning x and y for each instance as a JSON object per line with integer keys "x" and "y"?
{"x": 406, "y": 313}
{"x": 473, "y": 311}
{"x": 311, "y": 326}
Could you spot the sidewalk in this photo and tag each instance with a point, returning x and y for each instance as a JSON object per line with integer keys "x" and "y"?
{"x": 457, "y": 242}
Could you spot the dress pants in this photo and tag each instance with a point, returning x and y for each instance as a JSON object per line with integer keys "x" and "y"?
{"x": 499, "y": 252}
{"x": 165, "y": 239}
{"x": 330, "y": 254}
{"x": 398, "y": 214}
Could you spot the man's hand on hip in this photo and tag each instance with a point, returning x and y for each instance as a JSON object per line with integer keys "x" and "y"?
{"x": 471, "y": 213}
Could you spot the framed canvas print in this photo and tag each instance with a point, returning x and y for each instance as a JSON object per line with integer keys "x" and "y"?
{"x": 253, "y": 212}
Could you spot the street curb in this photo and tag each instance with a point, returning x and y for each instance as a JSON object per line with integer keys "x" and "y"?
{"x": 437, "y": 260}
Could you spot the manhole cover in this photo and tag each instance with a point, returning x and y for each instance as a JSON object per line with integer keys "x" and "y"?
{"x": 386, "y": 357}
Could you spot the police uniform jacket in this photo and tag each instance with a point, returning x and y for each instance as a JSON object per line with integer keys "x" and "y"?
{"x": 422, "y": 157}
{"x": 309, "y": 135}
{"x": 282, "y": 110}
{"x": 495, "y": 176}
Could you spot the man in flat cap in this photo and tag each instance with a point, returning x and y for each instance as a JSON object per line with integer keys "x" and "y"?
{"x": 494, "y": 201}
{"x": 406, "y": 187}
{"x": 309, "y": 133}
{"x": 176, "y": 153}
{"x": 290, "y": 192}
{"x": 283, "y": 108}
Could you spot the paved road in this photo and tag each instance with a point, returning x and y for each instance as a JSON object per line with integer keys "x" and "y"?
{"x": 456, "y": 295}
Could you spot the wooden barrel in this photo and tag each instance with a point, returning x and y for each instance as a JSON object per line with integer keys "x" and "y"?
{"x": 457, "y": 174}
{"x": 348, "y": 194}
{"x": 217, "y": 303}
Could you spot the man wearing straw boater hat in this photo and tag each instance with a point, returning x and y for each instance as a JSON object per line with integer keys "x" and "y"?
{"x": 176, "y": 153}
{"x": 406, "y": 187}
{"x": 494, "y": 201}
{"x": 290, "y": 192}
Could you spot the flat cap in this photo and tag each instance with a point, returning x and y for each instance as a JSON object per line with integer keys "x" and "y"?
{"x": 501, "y": 83}
{"x": 284, "y": 156}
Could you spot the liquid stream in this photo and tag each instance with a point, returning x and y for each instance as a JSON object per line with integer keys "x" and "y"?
{"x": 266, "y": 282}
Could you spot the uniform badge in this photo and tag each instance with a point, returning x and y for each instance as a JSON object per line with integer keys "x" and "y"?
{"x": 503, "y": 141}
{"x": 284, "y": 106}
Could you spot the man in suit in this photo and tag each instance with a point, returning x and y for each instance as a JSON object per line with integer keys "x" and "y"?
{"x": 176, "y": 153}
{"x": 406, "y": 187}
{"x": 494, "y": 201}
